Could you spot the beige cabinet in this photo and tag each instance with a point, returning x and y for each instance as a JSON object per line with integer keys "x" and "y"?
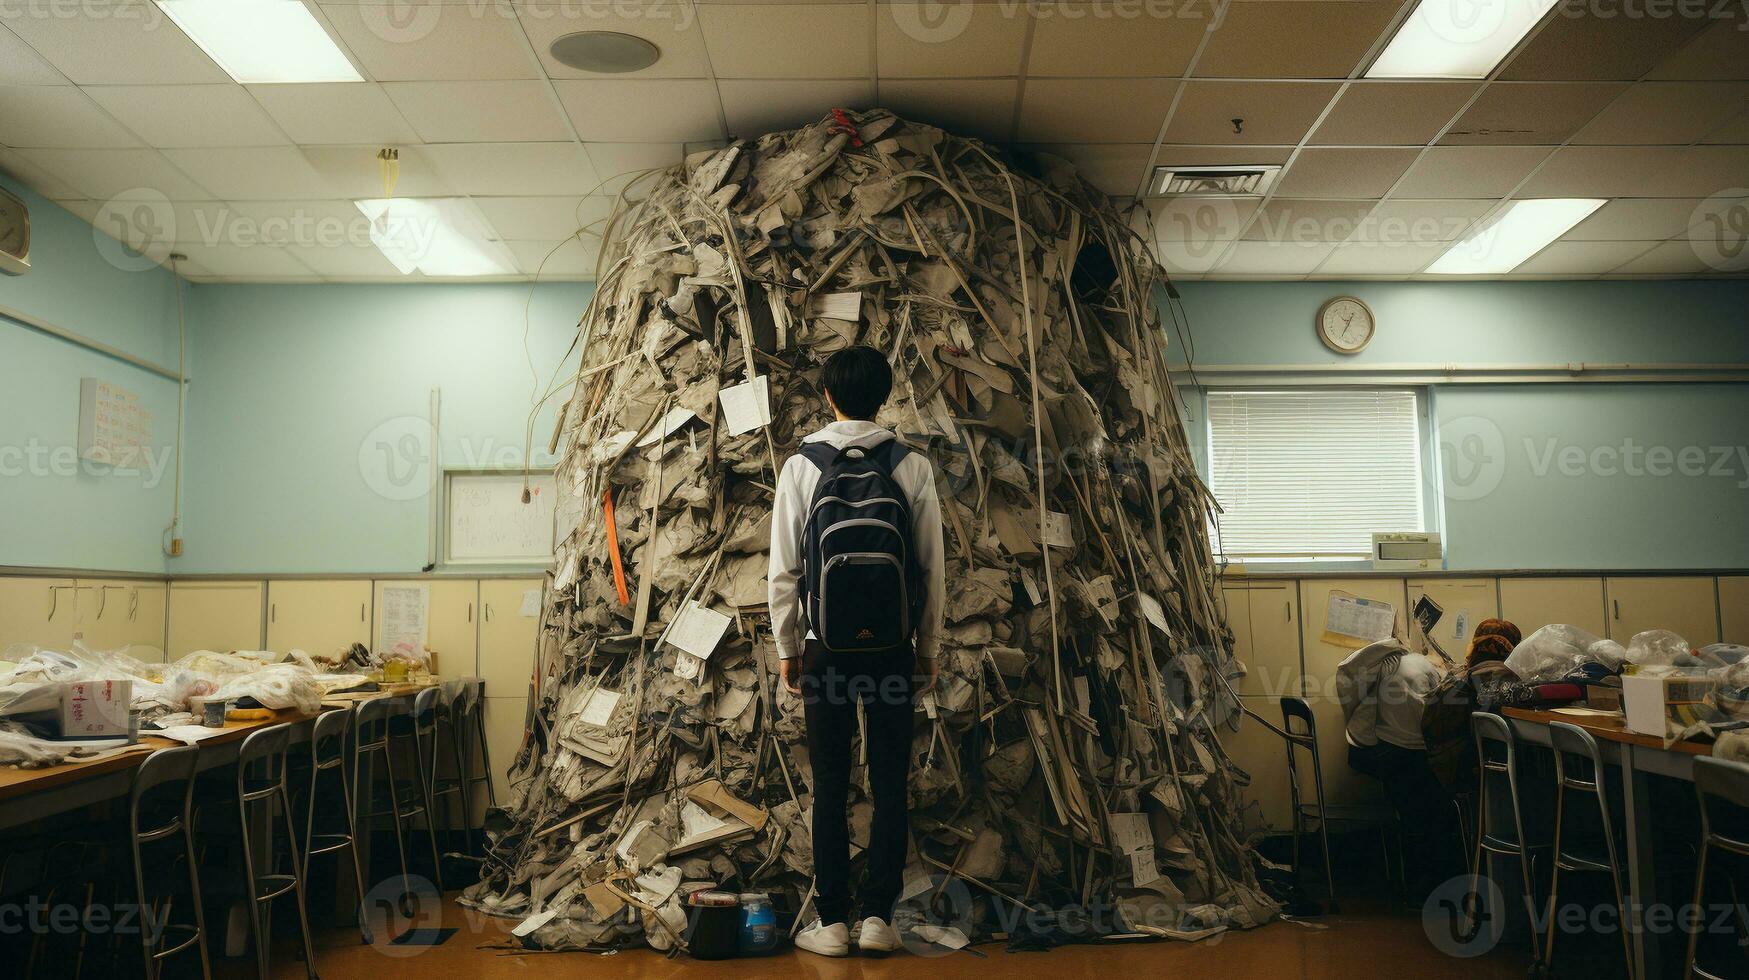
{"x": 1266, "y": 635}
{"x": 117, "y": 613}
{"x": 1321, "y": 658}
{"x": 1532, "y": 603}
{"x": 1466, "y": 601}
{"x": 38, "y": 611}
{"x": 452, "y": 623}
{"x": 1687, "y": 605}
{"x": 506, "y": 720}
{"x": 1734, "y": 609}
{"x": 509, "y": 627}
{"x": 214, "y": 616}
{"x": 318, "y": 616}
{"x": 1266, "y": 803}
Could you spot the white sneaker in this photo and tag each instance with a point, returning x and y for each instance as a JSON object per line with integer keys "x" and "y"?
{"x": 832, "y": 940}
{"x": 877, "y": 937}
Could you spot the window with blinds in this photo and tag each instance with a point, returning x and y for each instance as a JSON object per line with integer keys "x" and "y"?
{"x": 1312, "y": 474}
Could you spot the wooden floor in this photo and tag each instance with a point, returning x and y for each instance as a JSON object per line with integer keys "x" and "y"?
{"x": 1335, "y": 948}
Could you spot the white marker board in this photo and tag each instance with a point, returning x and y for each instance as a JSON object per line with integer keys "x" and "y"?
{"x": 486, "y": 521}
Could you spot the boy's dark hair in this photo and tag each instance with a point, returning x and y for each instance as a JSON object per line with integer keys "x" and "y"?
{"x": 859, "y": 381}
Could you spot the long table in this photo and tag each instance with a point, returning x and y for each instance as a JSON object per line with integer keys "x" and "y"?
{"x": 1639, "y": 757}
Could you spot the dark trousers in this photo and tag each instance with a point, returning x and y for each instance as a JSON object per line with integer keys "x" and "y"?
{"x": 833, "y": 684}
{"x": 1423, "y": 804}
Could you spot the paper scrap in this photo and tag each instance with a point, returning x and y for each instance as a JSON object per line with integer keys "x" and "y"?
{"x": 746, "y": 406}
{"x": 1351, "y": 621}
{"x": 186, "y": 734}
{"x": 670, "y": 423}
{"x": 839, "y": 306}
{"x": 1058, "y": 532}
{"x": 598, "y": 710}
{"x": 533, "y": 922}
{"x": 404, "y": 618}
{"x": 698, "y": 630}
{"x": 530, "y": 607}
{"x": 1461, "y": 627}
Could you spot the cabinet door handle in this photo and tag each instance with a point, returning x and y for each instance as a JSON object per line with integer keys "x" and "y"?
{"x": 486, "y": 611}
{"x": 361, "y": 612}
{"x": 273, "y": 612}
{"x": 1617, "y": 604}
{"x": 470, "y": 612}
{"x": 1289, "y": 608}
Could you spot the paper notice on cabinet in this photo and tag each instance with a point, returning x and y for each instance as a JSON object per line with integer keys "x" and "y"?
{"x": 530, "y": 607}
{"x": 1353, "y": 622}
{"x": 698, "y": 630}
{"x": 404, "y": 619}
{"x": 746, "y": 406}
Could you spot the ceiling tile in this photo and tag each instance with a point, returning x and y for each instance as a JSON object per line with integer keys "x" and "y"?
{"x": 1306, "y": 39}
{"x": 1081, "y": 39}
{"x": 1274, "y": 258}
{"x": 1631, "y": 219}
{"x": 1344, "y": 172}
{"x": 1395, "y": 259}
{"x": 1640, "y": 171}
{"x": 1670, "y": 259}
{"x": 354, "y": 172}
{"x": 1192, "y": 254}
{"x": 480, "y": 112}
{"x": 930, "y": 40}
{"x": 264, "y": 173}
{"x": 1666, "y": 113}
{"x": 1283, "y": 220}
{"x": 981, "y": 107}
{"x": 504, "y": 169}
{"x": 1098, "y": 110}
{"x": 642, "y": 110}
{"x": 1420, "y": 222}
{"x": 544, "y": 218}
{"x": 411, "y": 42}
{"x": 1735, "y": 132}
{"x": 1115, "y": 168}
{"x": 21, "y": 65}
{"x": 154, "y": 224}
{"x": 190, "y": 115}
{"x": 1721, "y": 51}
{"x": 567, "y": 259}
{"x": 103, "y": 174}
{"x": 1392, "y": 113}
{"x": 44, "y": 182}
{"x": 1470, "y": 171}
{"x": 615, "y": 164}
{"x": 1580, "y": 43}
{"x": 1530, "y": 113}
{"x": 348, "y": 259}
{"x": 334, "y": 113}
{"x": 58, "y": 116}
{"x": 1192, "y": 220}
{"x": 265, "y": 261}
{"x": 327, "y": 224}
{"x": 119, "y": 42}
{"x": 1269, "y": 112}
{"x": 671, "y": 25}
{"x": 1580, "y": 258}
{"x": 755, "y": 107}
{"x": 757, "y": 40}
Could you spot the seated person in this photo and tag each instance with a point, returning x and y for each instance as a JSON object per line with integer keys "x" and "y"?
{"x": 1384, "y": 689}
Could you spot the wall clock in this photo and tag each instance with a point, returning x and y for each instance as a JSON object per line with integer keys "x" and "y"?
{"x": 1346, "y": 325}
{"x": 14, "y": 235}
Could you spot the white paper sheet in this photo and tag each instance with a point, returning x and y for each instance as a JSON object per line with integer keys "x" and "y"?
{"x": 598, "y": 710}
{"x": 1362, "y": 619}
{"x": 186, "y": 734}
{"x": 746, "y": 406}
{"x": 839, "y": 306}
{"x": 404, "y": 618}
{"x": 530, "y": 607}
{"x": 698, "y": 630}
{"x": 1058, "y": 531}
{"x": 671, "y": 422}
{"x": 1155, "y": 613}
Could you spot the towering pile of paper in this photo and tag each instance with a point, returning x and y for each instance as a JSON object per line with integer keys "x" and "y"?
{"x": 1070, "y": 754}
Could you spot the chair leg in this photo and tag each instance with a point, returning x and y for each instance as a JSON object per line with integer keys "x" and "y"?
{"x": 206, "y": 967}
{"x": 352, "y": 850}
{"x": 485, "y": 755}
{"x": 427, "y": 773}
{"x": 395, "y": 815}
{"x": 1324, "y": 842}
{"x": 1548, "y": 957}
{"x": 298, "y": 881}
{"x": 148, "y": 942}
{"x": 257, "y": 931}
{"x": 1699, "y": 898}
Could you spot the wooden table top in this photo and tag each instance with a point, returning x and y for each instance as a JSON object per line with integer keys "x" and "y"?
{"x": 1613, "y": 728}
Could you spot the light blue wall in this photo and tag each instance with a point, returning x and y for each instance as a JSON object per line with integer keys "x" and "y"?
{"x": 1599, "y": 502}
{"x": 54, "y": 510}
{"x": 306, "y": 429}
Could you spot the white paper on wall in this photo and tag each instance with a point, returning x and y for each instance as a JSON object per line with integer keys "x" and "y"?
{"x": 698, "y": 630}
{"x": 746, "y": 406}
{"x": 405, "y": 618}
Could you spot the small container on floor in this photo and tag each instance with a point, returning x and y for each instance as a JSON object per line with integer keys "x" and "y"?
{"x": 758, "y": 924}
{"x": 713, "y": 931}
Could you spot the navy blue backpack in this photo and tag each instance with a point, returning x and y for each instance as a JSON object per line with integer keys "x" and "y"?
{"x": 862, "y": 586}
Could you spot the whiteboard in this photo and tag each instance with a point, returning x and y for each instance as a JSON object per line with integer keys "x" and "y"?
{"x": 487, "y": 522}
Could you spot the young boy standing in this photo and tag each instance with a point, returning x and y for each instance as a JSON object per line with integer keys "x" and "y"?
{"x": 856, "y": 593}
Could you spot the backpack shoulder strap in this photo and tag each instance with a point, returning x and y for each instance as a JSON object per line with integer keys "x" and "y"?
{"x": 889, "y": 454}
{"x": 821, "y": 454}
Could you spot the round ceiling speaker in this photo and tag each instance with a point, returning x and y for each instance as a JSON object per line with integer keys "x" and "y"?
{"x": 607, "y": 52}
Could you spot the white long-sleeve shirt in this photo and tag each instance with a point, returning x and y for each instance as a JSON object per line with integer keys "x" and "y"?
{"x": 1383, "y": 688}
{"x": 795, "y": 491}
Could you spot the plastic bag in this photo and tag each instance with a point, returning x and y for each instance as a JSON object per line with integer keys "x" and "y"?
{"x": 1723, "y": 654}
{"x": 1657, "y": 648}
{"x": 1553, "y": 652}
{"x": 1608, "y": 653}
{"x": 285, "y": 685}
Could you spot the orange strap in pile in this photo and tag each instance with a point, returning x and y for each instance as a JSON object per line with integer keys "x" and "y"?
{"x": 619, "y": 569}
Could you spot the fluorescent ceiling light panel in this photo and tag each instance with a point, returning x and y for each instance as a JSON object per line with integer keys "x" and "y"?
{"x": 1457, "y": 38}
{"x": 436, "y": 236}
{"x": 1522, "y": 230}
{"x": 262, "y": 40}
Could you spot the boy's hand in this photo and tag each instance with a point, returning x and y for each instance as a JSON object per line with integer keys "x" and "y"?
{"x": 791, "y": 672}
{"x": 929, "y": 672}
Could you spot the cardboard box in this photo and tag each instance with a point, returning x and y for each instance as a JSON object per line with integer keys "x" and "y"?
{"x": 1650, "y": 700}
{"x": 96, "y": 709}
{"x": 1603, "y": 697}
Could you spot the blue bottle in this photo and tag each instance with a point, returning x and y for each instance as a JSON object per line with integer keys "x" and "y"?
{"x": 758, "y": 925}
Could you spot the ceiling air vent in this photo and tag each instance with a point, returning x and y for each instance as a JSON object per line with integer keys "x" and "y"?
{"x": 1212, "y": 181}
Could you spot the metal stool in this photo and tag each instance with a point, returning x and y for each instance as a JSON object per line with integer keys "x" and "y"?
{"x": 1723, "y": 788}
{"x": 1497, "y": 754}
{"x": 1301, "y": 729}
{"x": 1579, "y": 767}
{"x": 163, "y": 787}
{"x": 328, "y": 754}
{"x": 429, "y": 707}
{"x": 374, "y": 723}
{"x": 449, "y": 743}
{"x": 261, "y": 766}
{"x": 468, "y": 717}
